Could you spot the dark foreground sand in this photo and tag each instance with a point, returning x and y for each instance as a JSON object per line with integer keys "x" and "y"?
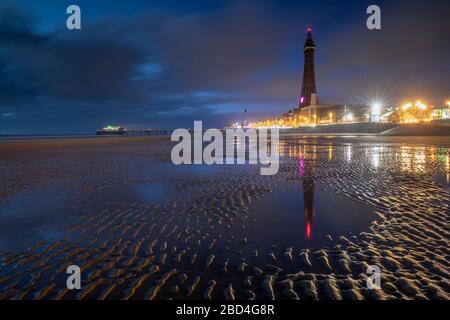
{"x": 141, "y": 229}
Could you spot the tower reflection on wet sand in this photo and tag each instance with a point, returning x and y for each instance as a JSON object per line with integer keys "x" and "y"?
{"x": 307, "y": 174}
{"x": 308, "y": 204}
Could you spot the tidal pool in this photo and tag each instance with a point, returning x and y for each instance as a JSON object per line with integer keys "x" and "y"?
{"x": 148, "y": 192}
{"x": 307, "y": 216}
{"x": 30, "y": 218}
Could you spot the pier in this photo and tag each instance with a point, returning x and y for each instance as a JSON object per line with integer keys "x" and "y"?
{"x": 134, "y": 133}
{"x": 148, "y": 132}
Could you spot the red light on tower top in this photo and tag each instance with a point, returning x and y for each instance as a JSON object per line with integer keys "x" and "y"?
{"x": 309, "y": 29}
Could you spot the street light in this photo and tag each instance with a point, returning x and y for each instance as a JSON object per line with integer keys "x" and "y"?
{"x": 349, "y": 117}
{"x": 376, "y": 108}
{"x": 376, "y": 111}
{"x": 406, "y": 106}
{"x": 420, "y": 105}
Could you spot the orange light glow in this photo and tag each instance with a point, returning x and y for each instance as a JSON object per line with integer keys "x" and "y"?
{"x": 406, "y": 106}
{"x": 420, "y": 105}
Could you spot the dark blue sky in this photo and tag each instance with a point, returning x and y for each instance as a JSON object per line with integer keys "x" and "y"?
{"x": 163, "y": 64}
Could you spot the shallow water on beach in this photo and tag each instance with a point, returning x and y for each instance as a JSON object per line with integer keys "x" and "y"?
{"x": 308, "y": 217}
{"x": 148, "y": 192}
{"x": 30, "y": 218}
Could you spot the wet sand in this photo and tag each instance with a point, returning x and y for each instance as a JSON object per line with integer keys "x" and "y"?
{"x": 142, "y": 228}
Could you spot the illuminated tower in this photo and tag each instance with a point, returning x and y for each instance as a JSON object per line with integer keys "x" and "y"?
{"x": 309, "y": 79}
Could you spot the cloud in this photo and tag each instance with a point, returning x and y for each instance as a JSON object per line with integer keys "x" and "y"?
{"x": 153, "y": 64}
{"x": 16, "y": 26}
{"x": 407, "y": 57}
{"x": 163, "y": 67}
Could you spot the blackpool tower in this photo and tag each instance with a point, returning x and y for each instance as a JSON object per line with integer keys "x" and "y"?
{"x": 309, "y": 79}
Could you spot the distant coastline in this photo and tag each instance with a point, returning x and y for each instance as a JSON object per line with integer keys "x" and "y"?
{"x": 45, "y": 136}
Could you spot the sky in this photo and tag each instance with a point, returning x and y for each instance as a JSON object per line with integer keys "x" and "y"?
{"x": 162, "y": 64}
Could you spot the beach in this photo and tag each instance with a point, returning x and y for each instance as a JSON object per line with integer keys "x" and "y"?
{"x": 140, "y": 227}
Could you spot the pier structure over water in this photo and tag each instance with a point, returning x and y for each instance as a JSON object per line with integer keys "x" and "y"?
{"x": 102, "y": 132}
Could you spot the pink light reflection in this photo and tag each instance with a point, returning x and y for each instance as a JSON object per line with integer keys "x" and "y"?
{"x": 302, "y": 166}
